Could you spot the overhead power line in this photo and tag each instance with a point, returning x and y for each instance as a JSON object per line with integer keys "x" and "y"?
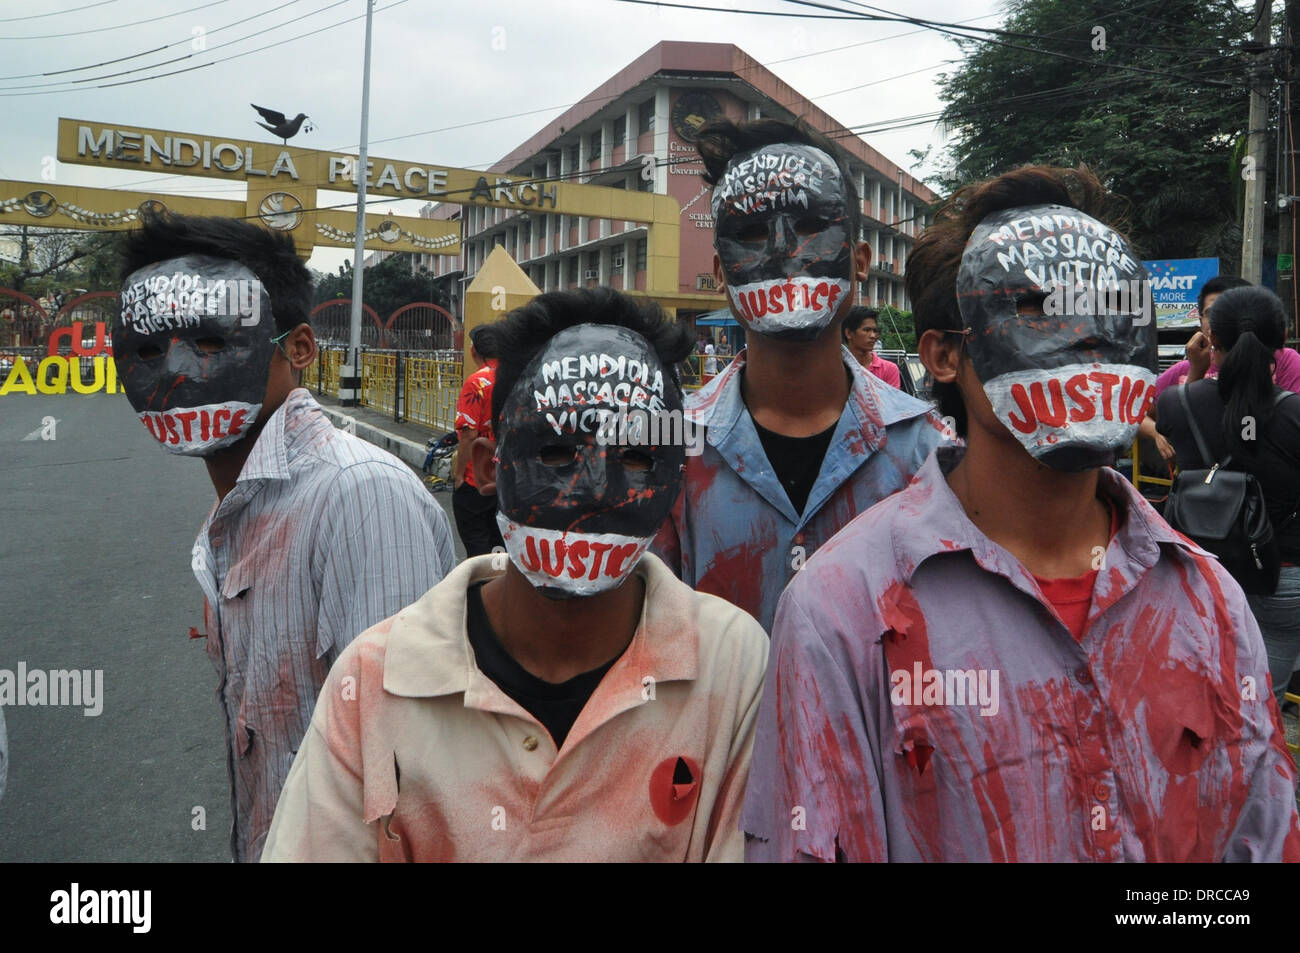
{"x": 117, "y": 26}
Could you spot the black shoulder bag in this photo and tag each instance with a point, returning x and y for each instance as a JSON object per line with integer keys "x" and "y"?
{"x": 1223, "y": 512}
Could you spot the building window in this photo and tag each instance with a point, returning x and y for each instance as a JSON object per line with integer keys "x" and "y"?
{"x": 573, "y": 156}
{"x": 645, "y": 117}
{"x": 573, "y": 269}
{"x": 640, "y": 254}
{"x": 620, "y": 131}
{"x": 593, "y": 151}
{"x": 527, "y": 230}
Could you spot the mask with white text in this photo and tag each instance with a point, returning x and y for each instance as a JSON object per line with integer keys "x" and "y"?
{"x": 589, "y": 459}
{"x": 193, "y": 345}
{"x": 783, "y": 237}
{"x": 1061, "y": 332}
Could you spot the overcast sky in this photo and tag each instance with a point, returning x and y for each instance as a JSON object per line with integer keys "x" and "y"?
{"x": 436, "y": 65}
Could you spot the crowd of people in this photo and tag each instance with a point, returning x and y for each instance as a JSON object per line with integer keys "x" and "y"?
{"x": 852, "y": 627}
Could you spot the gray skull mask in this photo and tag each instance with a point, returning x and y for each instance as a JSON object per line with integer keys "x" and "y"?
{"x": 783, "y": 236}
{"x": 193, "y": 345}
{"x": 1060, "y": 326}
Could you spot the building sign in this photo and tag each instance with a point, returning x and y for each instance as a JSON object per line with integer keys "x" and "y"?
{"x": 1175, "y": 283}
{"x": 282, "y": 183}
{"x": 271, "y": 166}
{"x": 692, "y": 110}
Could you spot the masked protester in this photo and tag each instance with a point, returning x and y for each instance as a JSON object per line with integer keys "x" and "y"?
{"x": 797, "y": 437}
{"x": 1015, "y": 658}
{"x": 315, "y": 535}
{"x": 569, "y": 699}
{"x": 475, "y": 513}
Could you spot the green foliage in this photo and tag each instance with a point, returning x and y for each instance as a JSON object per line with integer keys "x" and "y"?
{"x": 388, "y": 286}
{"x": 59, "y": 260}
{"x": 897, "y": 329}
{"x": 1163, "y": 143}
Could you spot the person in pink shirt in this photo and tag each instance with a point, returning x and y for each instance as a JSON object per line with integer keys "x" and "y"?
{"x": 1200, "y": 361}
{"x": 861, "y": 330}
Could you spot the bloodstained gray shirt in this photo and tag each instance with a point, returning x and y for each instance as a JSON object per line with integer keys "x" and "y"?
{"x": 323, "y": 536}
{"x": 925, "y": 702}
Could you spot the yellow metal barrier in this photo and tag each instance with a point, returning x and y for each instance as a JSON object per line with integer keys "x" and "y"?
{"x": 322, "y": 374}
{"x": 379, "y": 382}
{"x": 1138, "y": 478}
{"x": 432, "y": 387}
{"x": 698, "y": 369}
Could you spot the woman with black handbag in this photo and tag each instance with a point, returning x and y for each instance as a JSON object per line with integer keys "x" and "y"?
{"x": 1243, "y": 422}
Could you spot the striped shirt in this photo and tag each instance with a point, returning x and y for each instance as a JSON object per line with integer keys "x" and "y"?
{"x": 322, "y": 536}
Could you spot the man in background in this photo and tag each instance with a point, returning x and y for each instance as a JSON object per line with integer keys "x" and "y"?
{"x": 475, "y": 513}
{"x": 798, "y": 437}
{"x": 861, "y": 330}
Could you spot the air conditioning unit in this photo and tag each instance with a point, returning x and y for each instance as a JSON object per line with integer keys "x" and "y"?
{"x": 591, "y": 274}
{"x": 618, "y": 261}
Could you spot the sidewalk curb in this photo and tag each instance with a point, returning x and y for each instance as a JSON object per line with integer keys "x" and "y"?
{"x": 408, "y": 451}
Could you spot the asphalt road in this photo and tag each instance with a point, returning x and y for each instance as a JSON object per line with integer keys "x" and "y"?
{"x": 96, "y": 527}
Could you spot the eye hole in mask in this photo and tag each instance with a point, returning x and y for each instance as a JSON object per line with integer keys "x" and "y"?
{"x": 811, "y": 225}
{"x": 1030, "y": 304}
{"x": 149, "y": 352}
{"x": 556, "y": 455}
{"x": 752, "y": 233}
{"x": 210, "y": 345}
{"x": 636, "y": 461}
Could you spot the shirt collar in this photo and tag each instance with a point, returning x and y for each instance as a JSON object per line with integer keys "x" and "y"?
{"x": 429, "y": 653}
{"x": 719, "y": 404}
{"x": 932, "y": 521}
{"x": 296, "y": 424}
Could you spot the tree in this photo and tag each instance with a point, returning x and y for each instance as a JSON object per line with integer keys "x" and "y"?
{"x": 58, "y": 260}
{"x": 1163, "y": 140}
{"x": 897, "y": 329}
{"x": 388, "y": 285}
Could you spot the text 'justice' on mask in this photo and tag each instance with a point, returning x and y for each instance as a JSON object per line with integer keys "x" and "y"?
{"x": 783, "y": 237}
{"x": 193, "y": 345}
{"x": 576, "y": 511}
{"x": 1072, "y": 384}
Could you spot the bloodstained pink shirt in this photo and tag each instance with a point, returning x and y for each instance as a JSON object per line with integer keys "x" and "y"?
{"x": 1153, "y": 737}
{"x": 1286, "y": 374}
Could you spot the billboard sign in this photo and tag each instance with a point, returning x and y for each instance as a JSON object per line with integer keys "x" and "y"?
{"x": 1175, "y": 284}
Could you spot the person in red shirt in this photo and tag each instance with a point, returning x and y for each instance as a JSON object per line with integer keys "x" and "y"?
{"x": 861, "y": 330}
{"x": 475, "y": 513}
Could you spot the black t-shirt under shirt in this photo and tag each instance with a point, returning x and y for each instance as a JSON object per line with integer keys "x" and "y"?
{"x": 796, "y": 460}
{"x": 556, "y": 706}
{"x": 1275, "y": 463}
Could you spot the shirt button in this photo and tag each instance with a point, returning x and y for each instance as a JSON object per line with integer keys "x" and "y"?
{"x": 799, "y": 539}
{"x": 1084, "y": 676}
{"x": 530, "y": 743}
{"x": 1101, "y": 792}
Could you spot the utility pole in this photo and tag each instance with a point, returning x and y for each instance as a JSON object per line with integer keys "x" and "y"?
{"x": 350, "y": 374}
{"x": 1289, "y": 119}
{"x": 1255, "y": 170}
